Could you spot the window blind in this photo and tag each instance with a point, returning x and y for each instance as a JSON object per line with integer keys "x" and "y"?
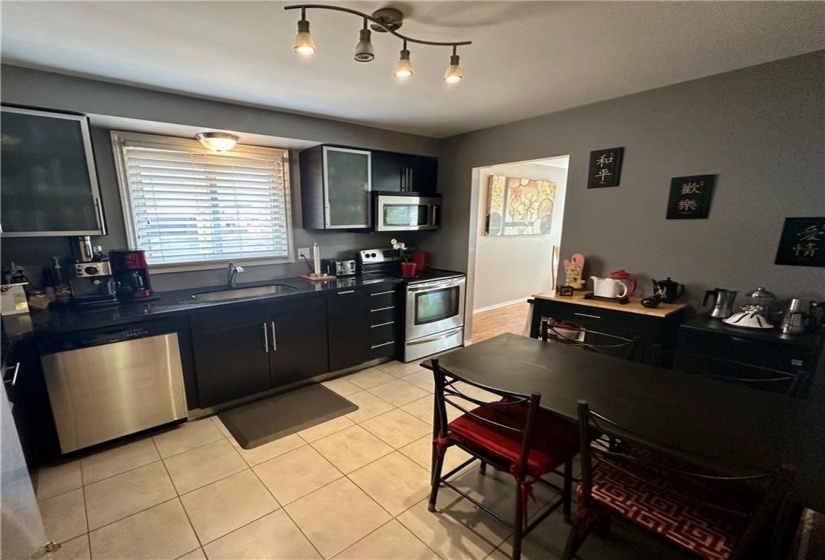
{"x": 192, "y": 206}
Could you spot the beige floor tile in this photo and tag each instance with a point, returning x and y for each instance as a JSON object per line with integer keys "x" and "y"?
{"x": 421, "y": 409}
{"x": 395, "y": 482}
{"x": 58, "y": 479}
{"x": 162, "y": 532}
{"x": 369, "y": 378}
{"x": 272, "y": 537}
{"x": 397, "y": 428}
{"x": 390, "y": 542}
{"x": 326, "y": 429}
{"x": 336, "y": 516}
{"x": 223, "y": 506}
{"x": 118, "y": 459}
{"x": 202, "y": 465}
{"x": 398, "y": 392}
{"x": 421, "y": 451}
{"x": 351, "y": 449}
{"x": 196, "y": 554}
{"x": 64, "y": 516}
{"x": 457, "y": 530}
{"x": 368, "y": 406}
{"x": 341, "y": 386}
{"x": 74, "y": 549}
{"x": 400, "y": 369}
{"x": 423, "y": 379}
{"x": 296, "y": 474}
{"x": 125, "y": 494}
{"x": 186, "y": 436}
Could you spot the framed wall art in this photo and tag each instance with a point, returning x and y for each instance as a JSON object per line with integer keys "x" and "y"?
{"x": 802, "y": 242}
{"x": 518, "y": 206}
{"x": 690, "y": 197}
{"x": 605, "y": 168}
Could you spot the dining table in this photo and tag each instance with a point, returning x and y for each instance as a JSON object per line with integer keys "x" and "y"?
{"x": 714, "y": 420}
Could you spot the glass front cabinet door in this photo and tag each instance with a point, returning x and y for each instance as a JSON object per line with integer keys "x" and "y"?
{"x": 49, "y": 184}
{"x": 336, "y": 186}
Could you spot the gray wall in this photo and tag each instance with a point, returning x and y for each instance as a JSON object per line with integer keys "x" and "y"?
{"x": 760, "y": 129}
{"x": 55, "y": 91}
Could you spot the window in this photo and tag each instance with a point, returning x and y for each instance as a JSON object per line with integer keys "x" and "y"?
{"x": 186, "y": 206}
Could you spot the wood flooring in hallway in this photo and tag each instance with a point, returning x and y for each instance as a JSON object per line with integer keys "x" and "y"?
{"x": 509, "y": 318}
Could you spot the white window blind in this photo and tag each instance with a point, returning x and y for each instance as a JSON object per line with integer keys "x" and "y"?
{"x": 189, "y": 205}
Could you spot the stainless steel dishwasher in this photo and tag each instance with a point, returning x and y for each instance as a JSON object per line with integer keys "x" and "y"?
{"x": 108, "y": 383}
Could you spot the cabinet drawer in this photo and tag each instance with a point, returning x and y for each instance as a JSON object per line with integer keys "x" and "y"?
{"x": 381, "y": 315}
{"x": 380, "y": 298}
{"x": 382, "y": 333}
{"x": 381, "y": 349}
{"x": 760, "y": 353}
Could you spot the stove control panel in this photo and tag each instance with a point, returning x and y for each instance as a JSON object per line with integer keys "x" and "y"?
{"x": 377, "y": 256}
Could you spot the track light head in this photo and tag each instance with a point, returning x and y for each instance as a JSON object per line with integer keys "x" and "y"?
{"x": 453, "y": 74}
{"x": 403, "y": 68}
{"x": 363, "y": 50}
{"x": 304, "y": 43}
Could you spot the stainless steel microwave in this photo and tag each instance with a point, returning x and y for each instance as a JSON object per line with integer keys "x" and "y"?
{"x": 398, "y": 211}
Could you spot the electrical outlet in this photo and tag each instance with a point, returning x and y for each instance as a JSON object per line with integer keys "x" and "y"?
{"x": 304, "y": 252}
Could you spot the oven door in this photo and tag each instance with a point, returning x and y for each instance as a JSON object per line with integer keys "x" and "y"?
{"x": 405, "y": 213}
{"x": 434, "y": 307}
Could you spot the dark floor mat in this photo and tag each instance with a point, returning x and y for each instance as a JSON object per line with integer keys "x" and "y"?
{"x": 272, "y": 418}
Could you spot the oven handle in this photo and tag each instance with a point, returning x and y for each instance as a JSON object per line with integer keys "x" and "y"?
{"x": 451, "y": 283}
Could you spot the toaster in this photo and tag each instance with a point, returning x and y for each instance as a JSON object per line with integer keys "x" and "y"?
{"x": 335, "y": 267}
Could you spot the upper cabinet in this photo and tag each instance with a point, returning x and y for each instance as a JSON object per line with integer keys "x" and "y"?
{"x": 404, "y": 173}
{"x": 49, "y": 183}
{"x": 336, "y": 183}
{"x": 335, "y": 188}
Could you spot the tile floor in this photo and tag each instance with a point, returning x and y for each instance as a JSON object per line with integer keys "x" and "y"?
{"x": 352, "y": 488}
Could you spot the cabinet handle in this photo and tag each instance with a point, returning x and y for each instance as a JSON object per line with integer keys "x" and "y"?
{"x": 410, "y": 179}
{"x": 266, "y": 339}
{"x": 346, "y": 292}
{"x": 587, "y": 315}
{"x": 401, "y": 179}
{"x": 381, "y": 309}
{"x": 13, "y": 379}
{"x": 382, "y": 293}
{"x": 382, "y": 324}
{"x": 274, "y": 338}
{"x": 374, "y": 346}
{"x": 99, "y": 216}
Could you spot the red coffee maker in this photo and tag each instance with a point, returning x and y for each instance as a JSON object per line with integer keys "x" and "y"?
{"x": 131, "y": 274}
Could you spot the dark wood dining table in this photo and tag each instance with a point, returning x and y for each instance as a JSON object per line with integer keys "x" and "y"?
{"x": 718, "y": 421}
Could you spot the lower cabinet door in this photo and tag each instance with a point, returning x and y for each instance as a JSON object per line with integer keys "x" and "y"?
{"x": 231, "y": 363}
{"x": 298, "y": 340}
{"x": 346, "y": 329}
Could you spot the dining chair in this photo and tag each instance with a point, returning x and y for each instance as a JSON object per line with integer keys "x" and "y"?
{"x": 794, "y": 384}
{"x": 712, "y": 511}
{"x": 588, "y": 339}
{"x": 503, "y": 433}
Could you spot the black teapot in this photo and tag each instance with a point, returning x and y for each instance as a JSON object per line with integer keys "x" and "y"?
{"x": 668, "y": 289}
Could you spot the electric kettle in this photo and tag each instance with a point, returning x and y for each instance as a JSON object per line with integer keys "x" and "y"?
{"x": 722, "y": 303}
{"x": 625, "y": 278}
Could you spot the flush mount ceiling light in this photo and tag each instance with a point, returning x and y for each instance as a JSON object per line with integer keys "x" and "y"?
{"x": 217, "y": 141}
{"x": 386, "y": 20}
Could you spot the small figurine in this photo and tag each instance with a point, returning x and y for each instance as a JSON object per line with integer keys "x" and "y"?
{"x": 574, "y": 271}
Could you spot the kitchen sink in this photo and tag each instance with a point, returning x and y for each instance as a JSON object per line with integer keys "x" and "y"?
{"x": 241, "y": 293}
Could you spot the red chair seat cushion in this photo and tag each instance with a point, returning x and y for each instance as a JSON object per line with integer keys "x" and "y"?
{"x": 655, "y": 503}
{"x": 548, "y": 450}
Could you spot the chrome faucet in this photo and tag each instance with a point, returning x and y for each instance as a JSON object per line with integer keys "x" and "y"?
{"x": 232, "y": 274}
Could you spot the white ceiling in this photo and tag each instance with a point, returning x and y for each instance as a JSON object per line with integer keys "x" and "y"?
{"x": 527, "y": 58}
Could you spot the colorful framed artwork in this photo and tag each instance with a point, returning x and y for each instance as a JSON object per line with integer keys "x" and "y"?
{"x": 802, "y": 242}
{"x": 519, "y": 206}
{"x": 605, "y": 168}
{"x": 690, "y": 197}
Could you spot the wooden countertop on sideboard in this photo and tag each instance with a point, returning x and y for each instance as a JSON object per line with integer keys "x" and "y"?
{"x": 633, "y": 306}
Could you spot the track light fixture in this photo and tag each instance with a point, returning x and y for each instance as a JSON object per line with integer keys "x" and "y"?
{"x": 386, "y": 20}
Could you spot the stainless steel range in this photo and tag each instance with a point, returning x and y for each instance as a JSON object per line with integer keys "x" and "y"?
{"x": 433, "y": 303}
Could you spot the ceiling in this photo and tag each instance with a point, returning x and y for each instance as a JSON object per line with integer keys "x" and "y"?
{"x": 527, "y": 58}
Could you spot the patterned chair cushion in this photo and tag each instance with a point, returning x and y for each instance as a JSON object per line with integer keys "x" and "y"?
{"x": 548, "y": 450}
{"x": 654, "y": 502}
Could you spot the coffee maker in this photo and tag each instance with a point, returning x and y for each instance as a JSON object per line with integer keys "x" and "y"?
{"x": 131, "y": 274}
{"x": 92, "y": 283}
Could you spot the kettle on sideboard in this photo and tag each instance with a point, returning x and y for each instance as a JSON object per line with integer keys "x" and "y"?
{"x": 670, "y": 290}
{"x": 722, "y": 302}
{"x": 608, "y": 288}
{"x": 625, "y": 278}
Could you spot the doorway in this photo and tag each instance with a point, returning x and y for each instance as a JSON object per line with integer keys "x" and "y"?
{"x": 506, "y": 265}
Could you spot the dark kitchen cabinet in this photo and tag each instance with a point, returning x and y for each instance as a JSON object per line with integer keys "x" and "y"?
{"x": 363, "y": 324}
{"x": 653, "y": 328}
{"x": 393, "y": 172}
{"x": 335, "y": 188}
{"x": 248, "y": 348}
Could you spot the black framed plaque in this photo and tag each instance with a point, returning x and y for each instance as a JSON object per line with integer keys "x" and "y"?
{"x": 690, "y": 197}
{"x": 802, "y": 242}
{"x": 605, "y": 168}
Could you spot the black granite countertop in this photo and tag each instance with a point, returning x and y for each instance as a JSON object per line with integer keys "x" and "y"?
{"x": 70, "y": 318}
